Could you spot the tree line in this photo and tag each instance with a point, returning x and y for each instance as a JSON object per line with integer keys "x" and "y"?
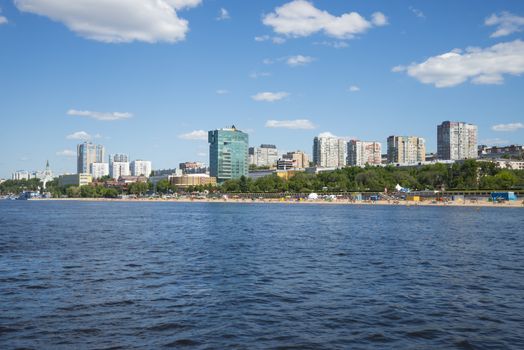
{"x": 467, "y": 175}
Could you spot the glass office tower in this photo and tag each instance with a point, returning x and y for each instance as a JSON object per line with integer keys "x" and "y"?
{"x": 228, "y": 154}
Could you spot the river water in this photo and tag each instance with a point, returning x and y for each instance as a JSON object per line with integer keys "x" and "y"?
{"x": 101, "y": 275}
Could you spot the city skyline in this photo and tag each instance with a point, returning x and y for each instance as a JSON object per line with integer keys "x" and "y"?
{"x": 155, "y": 96}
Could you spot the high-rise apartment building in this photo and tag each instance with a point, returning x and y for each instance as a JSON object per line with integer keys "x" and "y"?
{"x": 361, "y": 153}
{"x": 88, "y": 153}
{"x": 141, "y": 168}
{"x": 266, "y": 155}
{"x": 21, "y": 175}
{"x": 228, "y": 153}
{"x": 329, "y": 151}
{"x": 118, "y": 157}
{"x": 456, "y": 141}
{"x": 118, "y": 169}
{"x": 251, "y": 156}
{"x": 299, "y": 158}
{"x": 99, "y": 170}
{"x": 406, "y": 149}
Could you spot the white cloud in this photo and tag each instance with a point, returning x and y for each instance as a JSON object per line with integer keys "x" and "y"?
{"x": 506, "y": 23}
{"x": 507, "y": 127}
{"x": 480, "y": 66}
{"x": 379, "y": 19}
{"x": 326, "y": 134}
{"x": 299, "y": 60}
{"x": 222, "y": 92}
{"x": 329, "y": 134}
{"x": 278, "y": 40}
{"x": 267, "y": 61}
{"x": 300, "y": 18}
{"x": 256, "y": 75}
{"x": 183, "y": 4}
{"x": 334, "y": 44}
{"x": 66, "y": 153}
{"x": 291, "y": 124}
{"x": 354, "y": 88}
{"x": 417, "y": 12}
{"x": 261, "y": 38}
{"x": 223, "y": 14}
{"x": 116, "y": 21}
{"x": 269, "y": 96}
{"x": 194, "y": 135}
{"x": 494, "y": 142}
{"x": 275, "y": 39}
{"x": 80, "y": 135}
{"x": 3, "y": 20}
{"x": 105, "y": 116}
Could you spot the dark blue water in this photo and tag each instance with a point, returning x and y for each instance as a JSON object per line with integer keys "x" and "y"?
{"x": 78, "y": 275}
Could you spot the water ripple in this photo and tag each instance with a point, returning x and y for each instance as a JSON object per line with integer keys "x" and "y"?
{"x": 217, "y": 276}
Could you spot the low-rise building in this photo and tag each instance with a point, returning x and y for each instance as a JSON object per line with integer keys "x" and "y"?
{"x": 193, "y": 168}
{"x": 256, "y": 174}
{"x": 507, "y": 163}
{"x": 516, "y": 151}
{"x": 174, "y": 172}
{"x": 299, "y": 158}
{"x": 316, "y": 169}
{"x": 75, "y": 179}
{"x": 286, "y": 164}
{"x": 128, "y": 179}
{"x": 187, "y": 180}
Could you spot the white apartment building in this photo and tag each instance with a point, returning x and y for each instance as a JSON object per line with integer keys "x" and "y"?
{"x": 118, "y": 169}
{"x": 21, "y": 175}
{"x": 99, "y": 170}
{"x": 329, "y": 151}
{"x": 361, "y": 153}
{"x": 457, "y": 140}
{"x": 118, "y": 157}
{"x": 141, "y": 168}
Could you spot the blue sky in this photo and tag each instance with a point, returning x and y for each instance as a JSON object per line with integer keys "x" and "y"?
{"x": 147, "y": 78}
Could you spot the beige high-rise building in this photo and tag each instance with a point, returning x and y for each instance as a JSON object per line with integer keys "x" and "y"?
{"x": 361, "y": 153}
{"x": 406, "y": 149}
{"x": 329, "y": 151}
{"x": 299, "y": 158}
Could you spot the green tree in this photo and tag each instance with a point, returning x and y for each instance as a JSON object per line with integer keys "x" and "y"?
{"x": 138, "y": 188}
{"x": 73, "y": 192}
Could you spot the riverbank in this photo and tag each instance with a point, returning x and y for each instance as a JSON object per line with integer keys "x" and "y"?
{"x": 461, "y": 203}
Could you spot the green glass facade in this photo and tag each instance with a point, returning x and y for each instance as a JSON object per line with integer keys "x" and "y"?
{"x": 228, "y": 154}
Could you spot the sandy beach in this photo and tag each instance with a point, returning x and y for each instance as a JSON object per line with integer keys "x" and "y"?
{"x": 461, "y": 203}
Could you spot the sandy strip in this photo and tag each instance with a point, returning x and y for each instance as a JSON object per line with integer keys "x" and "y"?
{"x": 467, "y": 203}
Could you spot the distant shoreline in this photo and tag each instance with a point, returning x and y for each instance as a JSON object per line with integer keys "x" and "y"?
{"x": 467, "y": 203}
